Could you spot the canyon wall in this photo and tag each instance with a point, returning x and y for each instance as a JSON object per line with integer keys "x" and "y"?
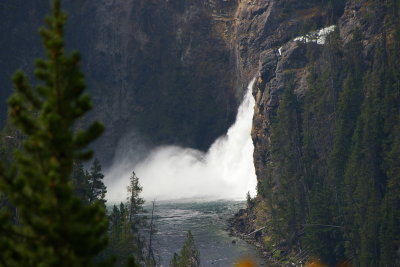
{"x": 161, "y": 70}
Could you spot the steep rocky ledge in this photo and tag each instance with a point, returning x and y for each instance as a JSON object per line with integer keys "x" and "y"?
{"x": 269, "y": 51}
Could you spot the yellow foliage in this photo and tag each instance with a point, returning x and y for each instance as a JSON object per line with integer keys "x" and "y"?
{"x": 246, "y": 263}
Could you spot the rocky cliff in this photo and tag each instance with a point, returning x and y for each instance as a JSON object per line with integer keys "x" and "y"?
{"x": 267, "y": 49}
{"x": 164, "y": 70}
{"x": 173, "y": 71}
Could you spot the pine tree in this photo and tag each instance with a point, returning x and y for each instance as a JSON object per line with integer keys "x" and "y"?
{"x": 97, "y": 190}
{"x": 318, "y": 124}
{"x": 135, "y": 202}
{"x": 126, "y": 226}
{"x": 349, "y": 106}
{"x": 174, "y": 261}
{"x": 80, "y": 182}
{"x": 189, "y": 254}
{"x": 390, "y": 231}
{"x": 121, "y": 238}
{"x": 365, "y": 179}
{"x": 288, "y": 200}
{"x": 54, "y": 227}
{"x": 135, "y": 208}
{"x": 321, "y": 236}
{"x": 390, "y": 209}
{"x": 115, "y": 221}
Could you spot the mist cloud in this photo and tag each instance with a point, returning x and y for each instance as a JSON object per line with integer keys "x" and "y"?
{"x": 171, "y": 172}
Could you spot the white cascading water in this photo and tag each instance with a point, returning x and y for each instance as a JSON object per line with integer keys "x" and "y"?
{"x": 318, "y": 36}
{"x": 226, "y": 171}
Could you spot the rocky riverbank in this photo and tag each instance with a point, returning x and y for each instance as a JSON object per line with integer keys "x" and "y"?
{"x": 246, "y": 226}
{"x": 243, "y": 226}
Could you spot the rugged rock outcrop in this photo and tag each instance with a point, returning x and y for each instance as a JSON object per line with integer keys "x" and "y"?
{"x": 265, "y": 32}
{"x": 266, "y": 48}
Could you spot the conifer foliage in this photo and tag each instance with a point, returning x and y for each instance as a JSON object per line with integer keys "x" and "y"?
{"x": 80, "y": 181}
{"x": 97, "y": 189}
{"x": 135, "y": 209}
{"x": 122, "y": 239}
{"x": 126, "y": 226}
{"x": 189, "y": 255}
{"x": 53, "y": 226}
{"x": 135, "y": 202}
{"x": 332, "y": 180}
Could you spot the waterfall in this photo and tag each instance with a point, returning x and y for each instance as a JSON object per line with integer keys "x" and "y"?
{"x": 225, "y": 171}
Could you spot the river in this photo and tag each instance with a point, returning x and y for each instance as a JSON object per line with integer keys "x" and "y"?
{"x": 208, "y": 223}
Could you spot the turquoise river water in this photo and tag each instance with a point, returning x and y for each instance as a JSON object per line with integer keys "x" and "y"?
{"x": 208, "y": 223}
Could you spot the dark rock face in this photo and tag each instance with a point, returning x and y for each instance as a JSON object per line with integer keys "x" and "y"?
{"x": 164, "y": 69}
{"x": 264, "y": 24}
{"x": 170, "y": 77}
{"x": 267, "y": 93}
{"x": 18, "y": 36}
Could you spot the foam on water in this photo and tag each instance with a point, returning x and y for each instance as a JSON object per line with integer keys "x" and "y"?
{"x": 225, "y": 171}
{"x": 318, "y": 36}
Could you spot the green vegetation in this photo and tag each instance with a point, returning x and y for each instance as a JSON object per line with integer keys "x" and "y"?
{"x": 89, "y": 186}
{"x": 189, "y": 255}
{"x": 333, "y": 179}
{"x": 121, "y": 236}
{"x": 52, "y": 211}
{"x": 97, "y": 190}
{"x": 287, "y": 205}
{"x": 126, "y": 229}
{"x": 135, "y": 208}
{"x": 250, "y": 202}
{"x": 47, "y": 224}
